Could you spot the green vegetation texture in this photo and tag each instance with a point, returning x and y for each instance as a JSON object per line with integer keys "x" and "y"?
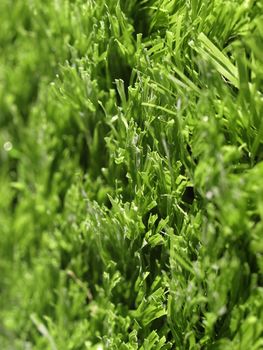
{"x": 131, "y": 196}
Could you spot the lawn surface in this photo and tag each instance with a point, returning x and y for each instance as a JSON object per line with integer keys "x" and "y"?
{"x": 131, "y": 174}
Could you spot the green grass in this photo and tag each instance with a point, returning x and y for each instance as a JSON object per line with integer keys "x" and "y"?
{"x": 131, "y": 166}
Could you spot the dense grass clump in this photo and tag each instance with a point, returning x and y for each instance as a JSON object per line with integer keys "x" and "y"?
{"x": 131, "y": 152}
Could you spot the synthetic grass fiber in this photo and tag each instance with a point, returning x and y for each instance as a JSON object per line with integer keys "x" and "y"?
{"x": 131, "y": 174}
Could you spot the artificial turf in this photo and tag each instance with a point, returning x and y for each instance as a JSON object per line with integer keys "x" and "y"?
{"x": 131, "y": 167}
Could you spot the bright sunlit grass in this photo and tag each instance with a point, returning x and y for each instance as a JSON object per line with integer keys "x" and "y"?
{"x": 131, "y": 167}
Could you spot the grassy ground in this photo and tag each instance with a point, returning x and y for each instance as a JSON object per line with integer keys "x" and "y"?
{"x": 131, "y": 197}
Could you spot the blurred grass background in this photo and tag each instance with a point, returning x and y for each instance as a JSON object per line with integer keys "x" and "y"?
{"x": 131, "y": 197}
